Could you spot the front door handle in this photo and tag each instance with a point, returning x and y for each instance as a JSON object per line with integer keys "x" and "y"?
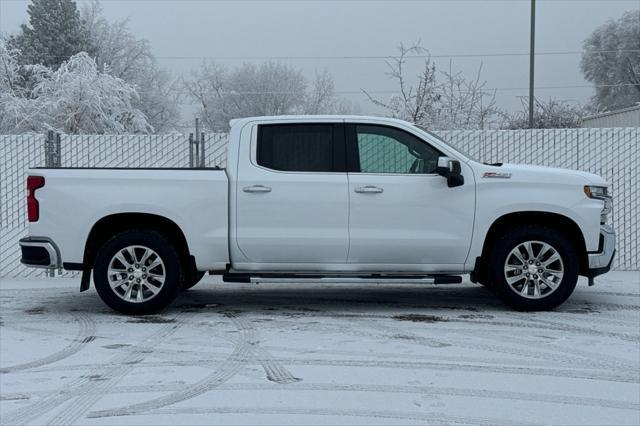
{"x": 256, "y": 188}
{"x": 369, "y": 189}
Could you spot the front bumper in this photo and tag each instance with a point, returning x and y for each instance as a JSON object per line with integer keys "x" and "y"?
{"x": 600, "y": 262}
{"x": 40, "y": 252}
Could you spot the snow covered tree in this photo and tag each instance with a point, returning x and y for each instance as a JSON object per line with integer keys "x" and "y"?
{"x": 322, "y": 99}
{"x": 552, "y": 114}
{"x": 55, "y": 33}
{"x": 249, "y": 90}
{"x": 118, "y": 50}
{"x": 12, "y": 104}
{"x": 9, "y": 69}
{"x": 612, "y": 57}
{"x": 453, "y": 103}
{"x": 81, "y": 99}
{"x": 414, "y": 103}
{"x": 464, "y": 104}
{"x": 76, "y": 99}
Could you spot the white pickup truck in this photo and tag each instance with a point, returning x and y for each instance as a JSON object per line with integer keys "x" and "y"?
{"x": 322, "y": 198}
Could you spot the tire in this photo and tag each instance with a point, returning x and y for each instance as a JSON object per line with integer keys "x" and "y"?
{"x": 160, "y": 275}
{"x": 485, "y": 284}
{"x": 195, "y": 278}
{"x": 553, "y": 254}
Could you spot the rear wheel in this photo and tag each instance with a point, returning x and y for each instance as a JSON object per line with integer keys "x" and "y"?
{"x": 533, "y": 268}
{"x": 138, "y": 272}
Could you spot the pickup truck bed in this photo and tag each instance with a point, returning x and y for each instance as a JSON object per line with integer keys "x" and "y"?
{"x": 76, "y": 200}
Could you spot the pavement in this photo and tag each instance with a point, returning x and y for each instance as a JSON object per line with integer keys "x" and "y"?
{"x": 320, "y": 354}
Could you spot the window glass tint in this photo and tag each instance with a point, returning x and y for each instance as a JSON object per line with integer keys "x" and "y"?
{"x": 388, "y": 150}
{"x": 296, "y": 147}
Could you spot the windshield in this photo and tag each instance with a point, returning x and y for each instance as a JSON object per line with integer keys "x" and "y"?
{"x": 440, "y": 139}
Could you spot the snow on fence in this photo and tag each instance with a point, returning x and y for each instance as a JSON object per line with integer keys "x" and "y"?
{"x": 612, "y": 153}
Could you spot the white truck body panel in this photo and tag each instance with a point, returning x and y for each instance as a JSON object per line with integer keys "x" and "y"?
{"x": 534, "y": 189}
{"x": 74, "y": 200}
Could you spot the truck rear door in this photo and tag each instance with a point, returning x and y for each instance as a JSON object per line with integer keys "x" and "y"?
{"x": 292, "y": 197}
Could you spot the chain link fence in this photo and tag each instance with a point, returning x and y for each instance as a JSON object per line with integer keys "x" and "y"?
{"x": 611, "y": 153}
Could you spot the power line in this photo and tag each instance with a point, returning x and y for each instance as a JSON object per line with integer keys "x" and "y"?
{"x": 393, "y": 92}
{"x": 379, "y": 57}
{"x": 507, "y": 89}
{"x": 367, "y": 1}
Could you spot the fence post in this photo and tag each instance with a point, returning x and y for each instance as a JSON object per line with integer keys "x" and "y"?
{"x": 202, "y": 158}
{"x": 48, "y": 147}
{"x": 57, "y": 155}
{"x": 191, "y": 150}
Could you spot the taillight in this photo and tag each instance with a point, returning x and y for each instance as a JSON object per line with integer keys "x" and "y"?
{"x": 33, "y": 209}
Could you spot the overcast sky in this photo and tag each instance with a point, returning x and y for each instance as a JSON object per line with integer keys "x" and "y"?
{"x": 217, "y": 29}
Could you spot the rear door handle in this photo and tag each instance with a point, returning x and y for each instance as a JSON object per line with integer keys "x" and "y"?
{"x": 369, "y": 189}
{"x": 257, "y": 188}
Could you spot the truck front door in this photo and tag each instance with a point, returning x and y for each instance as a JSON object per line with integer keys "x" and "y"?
{"x": 403, "y": 216}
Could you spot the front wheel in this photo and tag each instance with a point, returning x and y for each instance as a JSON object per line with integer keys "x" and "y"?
{"x": 195, "y": 277}
{"x": 138, "y": 272}
{"x": 533, "y": 268}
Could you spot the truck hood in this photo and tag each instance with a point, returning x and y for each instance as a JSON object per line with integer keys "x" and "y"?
{"x": 546, "y": 174}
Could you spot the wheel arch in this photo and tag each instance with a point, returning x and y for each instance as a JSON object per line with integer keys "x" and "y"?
{"x": 508, "y": 221}
{"x": 112, "y": 224}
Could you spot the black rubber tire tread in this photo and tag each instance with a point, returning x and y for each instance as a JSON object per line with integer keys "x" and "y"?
{"x": 167, "y": 252}
{"x": 195, "y": 278}
{"x": 511, "y": 239}
{"x": 485, "y": 284}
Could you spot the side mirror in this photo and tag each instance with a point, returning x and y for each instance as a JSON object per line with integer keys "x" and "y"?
{"x": 451, "y": 170}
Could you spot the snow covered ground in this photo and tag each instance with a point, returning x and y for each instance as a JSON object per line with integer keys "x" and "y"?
{"x": 320, "y": 354}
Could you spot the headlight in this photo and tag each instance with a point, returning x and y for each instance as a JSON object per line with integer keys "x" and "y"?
{"x": 600, "y": 193}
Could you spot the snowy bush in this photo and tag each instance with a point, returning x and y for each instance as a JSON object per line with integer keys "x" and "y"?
{"x": 77, "y": 98}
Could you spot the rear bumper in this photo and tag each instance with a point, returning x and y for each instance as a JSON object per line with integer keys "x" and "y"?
{"x": 40, "y": 252}
{"x": 600, "y": 262}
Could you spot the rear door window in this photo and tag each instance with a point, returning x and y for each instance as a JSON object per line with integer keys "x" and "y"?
{"x": 301, "y": 147}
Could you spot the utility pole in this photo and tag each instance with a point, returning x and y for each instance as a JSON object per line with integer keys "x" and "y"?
{"x": 532, "y": 48}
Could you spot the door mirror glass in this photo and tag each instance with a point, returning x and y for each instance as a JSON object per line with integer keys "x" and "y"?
{"x": 451, "y": 170}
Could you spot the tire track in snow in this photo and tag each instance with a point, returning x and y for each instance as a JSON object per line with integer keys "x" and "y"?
{"x": 438, "y": 391}
{"x": 516, "y": 323}
{"x": 96, "y": 378}
{"x": 273, "y": 368}
{"x": 573, "y": 357}
{"x": 565, "y": 355}
{"x": 243, "y": 351}
{"x": 85, "y": 335}
{"x": 402, "y": 389}
{"x": 531, "y": 353}
{"x": 430, "y": 417}
{"x": 584, "y": 373}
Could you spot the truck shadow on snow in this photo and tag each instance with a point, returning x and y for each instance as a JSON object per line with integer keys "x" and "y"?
{"x": 470, "y": 299}
{"x": 316, "y": 298}
{"x": 427, "y": 302}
